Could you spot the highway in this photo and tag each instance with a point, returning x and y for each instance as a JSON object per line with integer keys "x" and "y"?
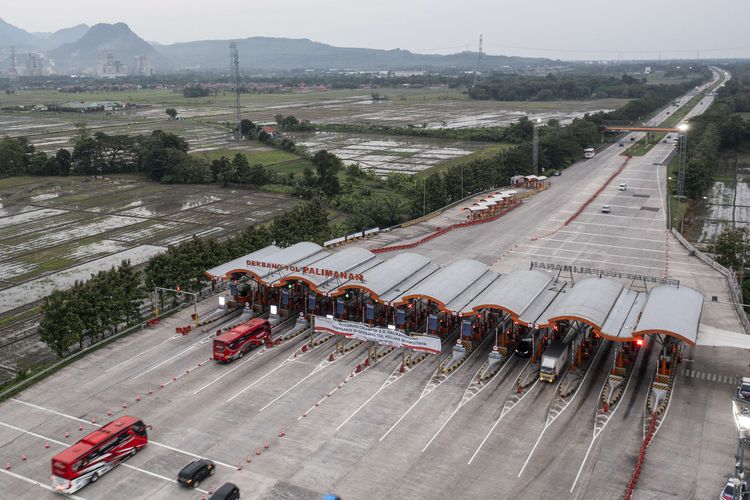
{"x": 318, "y": 427}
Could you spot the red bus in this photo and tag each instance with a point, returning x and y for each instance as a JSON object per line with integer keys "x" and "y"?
{"x": 239, "y": 340}
{"x": 97, "y": 453}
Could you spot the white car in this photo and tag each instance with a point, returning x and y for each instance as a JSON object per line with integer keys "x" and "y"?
{"x": 606, "y": 209}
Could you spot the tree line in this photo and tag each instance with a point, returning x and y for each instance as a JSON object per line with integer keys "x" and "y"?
{"x": 83, "y": 313}
{"x": 577, "y": 86}
{"x": 90, "y": 310}
{"x": 719, "y": 130}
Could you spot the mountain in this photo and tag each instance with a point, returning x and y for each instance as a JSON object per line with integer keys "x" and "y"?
{"x": 288, "y": 53}
{"x": 115, "y": 38}
{"x": 66, "y": 35}
{"x": 11, "y": 35}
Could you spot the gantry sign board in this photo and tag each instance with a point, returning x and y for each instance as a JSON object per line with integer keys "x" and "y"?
{"x": 383, "y": 336}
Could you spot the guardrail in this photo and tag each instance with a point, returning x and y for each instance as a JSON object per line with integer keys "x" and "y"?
{"x": 734, "y": 288}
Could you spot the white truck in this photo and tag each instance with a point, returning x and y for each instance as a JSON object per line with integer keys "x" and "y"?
{"x": 589, "y": 153}
{"x": 554, "y": 360}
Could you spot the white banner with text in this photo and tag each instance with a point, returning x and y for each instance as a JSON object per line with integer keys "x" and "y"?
{"x": 383, "y": 336}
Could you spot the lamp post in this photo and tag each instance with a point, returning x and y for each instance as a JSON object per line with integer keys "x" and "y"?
{"x": 535, "y": 144}
{"x": 683, "y": 128}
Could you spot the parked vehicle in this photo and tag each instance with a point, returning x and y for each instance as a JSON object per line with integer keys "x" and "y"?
{"x": 589, "y": 153}
{"x": 196, "y": 471}
{"x": 228, "y": 491}
{"x": 97, "y": 453}
{"x": 241, "y": 339}
{"x": 606, "y": 209}
{"x": 623, "y": 186}
{"x": 554, "y": 361}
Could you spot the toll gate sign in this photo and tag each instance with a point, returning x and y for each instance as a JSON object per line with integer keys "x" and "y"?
{"x": 383, "y": 336}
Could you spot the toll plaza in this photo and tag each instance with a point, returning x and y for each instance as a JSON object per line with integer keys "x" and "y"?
{"x": 467, "y": 305}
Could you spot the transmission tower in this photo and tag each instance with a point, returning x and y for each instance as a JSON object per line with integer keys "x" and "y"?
{"x": 234, "y": 60}
{"x": 13, "y": 71}
{"x": 479, "y": 61}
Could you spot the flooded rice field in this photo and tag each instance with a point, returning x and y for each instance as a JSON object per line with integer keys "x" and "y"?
{"x": 54, "y": 231}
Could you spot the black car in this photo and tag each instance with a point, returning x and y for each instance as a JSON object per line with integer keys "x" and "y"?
{"x": 523, "y": 349}
{"x": 193, "y": 473}
{"x": 228, "y": 491}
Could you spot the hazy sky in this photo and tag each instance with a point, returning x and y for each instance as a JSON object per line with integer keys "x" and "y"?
{"x": 566, "y": 29}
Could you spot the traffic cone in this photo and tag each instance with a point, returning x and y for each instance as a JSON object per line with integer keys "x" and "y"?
{"x": 358, "y": 369}
{"x": 282, "y": 433}
{"x": 248, "y": 460}
{"x": 266, "y": 445}
{"x": 239, "y": 466}
{"x": 109, "y": 413}
{"x": 402, "y": 369}
{"x": 7, "y": 466}
{"x": 23, "y": 458}
{"x": 331, "y": 358}
{"x": 46, "y": 444}
{"x": 124, "y": 405}
{"x": 257, "y": 451}
{"x": 80, "y": 427}
{"x": 137, "y": 397}
{"x": 93, "y": 420}
{"x": 67, "y": 434}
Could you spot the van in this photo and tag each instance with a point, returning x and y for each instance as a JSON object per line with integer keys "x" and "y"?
{"x": 623, "y": 186}
{"x": 228, "y": 491}
{"x": 605, "y": 209}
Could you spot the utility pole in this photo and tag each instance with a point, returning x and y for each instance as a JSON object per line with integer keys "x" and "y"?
{"x": 235, "y": 65}
{"x": 683, "y": 161}
{"x": 535, "y": 147}
{"x": 13, "y": 71}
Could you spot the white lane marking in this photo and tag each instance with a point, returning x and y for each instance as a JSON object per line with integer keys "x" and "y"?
{"x": 559, "y": 249}
{"x": 155, "y": 443}
{"x": 66, "y": 445}
{"x": 141, "y": 353}
{"x": 564, "y": 231}
{"x": 499, "y": 419}
{"x": 166, "y": 361}
{"x": 315, "y": 370}
{"x": 284, "y": 363}
{"x": 37, "y": 483}
{"x": 462, "y": 403}
{"x": 584, "y": 223}
{"x": 250, "y": 358}
{"x": 569, "y": 402}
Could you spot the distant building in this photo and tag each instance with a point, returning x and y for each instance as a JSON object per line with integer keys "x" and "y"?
{"x": 109, "y": 67}
{"x": 647, "y": 71}
{"x": 34, "y": 64}
{"x": 142, "y": 66}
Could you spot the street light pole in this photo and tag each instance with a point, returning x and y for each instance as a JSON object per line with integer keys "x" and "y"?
{"x": 682, "y": 161}
{"x": 535, "y": 144}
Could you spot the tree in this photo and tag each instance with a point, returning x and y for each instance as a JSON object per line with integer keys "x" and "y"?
{"x": 58, "y": 326}
{"x": 732, "y": 249}
{"x": 327, "y": 166}
{"x": 171, "y": 112}
{"x": 63, "y": 159}
{"x": 13, "y": 159}
{"x": 248, "y": 129}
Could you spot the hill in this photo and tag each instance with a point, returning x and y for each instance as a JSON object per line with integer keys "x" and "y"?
{"x": 11, "y": 35}
{"x": 289, "y": 53}
{"x": 115, "y": 38}
{"x": 66, "y": 35}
